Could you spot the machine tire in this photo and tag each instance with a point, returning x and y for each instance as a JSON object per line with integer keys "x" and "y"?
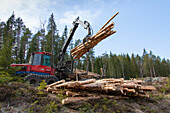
{"x": 51, "y": 79}
{"x": 33, "y": 79}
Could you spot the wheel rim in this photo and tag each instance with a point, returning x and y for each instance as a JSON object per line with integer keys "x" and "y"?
{"x": 33, "y": 81}
{"x": 50, "y": 82}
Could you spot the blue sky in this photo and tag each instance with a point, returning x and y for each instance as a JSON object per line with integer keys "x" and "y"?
{"x": 140, "y": 23}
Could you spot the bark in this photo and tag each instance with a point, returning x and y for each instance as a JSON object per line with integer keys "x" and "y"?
{"x": 113, "y": 86}
{"x": 103, "y": 33}
{"x": 148, "y": 88}
{"x": 77, "y": 99}
{"x": 53, "y": 84}
{"x": 72, "y": 94}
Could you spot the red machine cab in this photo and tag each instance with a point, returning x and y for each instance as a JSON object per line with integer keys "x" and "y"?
{"x": 40, "y": 64}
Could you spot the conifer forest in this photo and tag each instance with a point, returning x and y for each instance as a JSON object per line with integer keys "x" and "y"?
{"x": 17, "y": 42}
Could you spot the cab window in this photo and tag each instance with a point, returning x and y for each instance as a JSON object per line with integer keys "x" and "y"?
{"x": 46, "y": 60}
{"x": 37, "y": 59}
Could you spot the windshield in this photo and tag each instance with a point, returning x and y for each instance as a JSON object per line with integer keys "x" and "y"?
{"x": 46, "y": 60}
{"x": 37, "y": 59}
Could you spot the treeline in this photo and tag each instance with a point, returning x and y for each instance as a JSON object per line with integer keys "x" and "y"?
{"x": 134, "y": 66}
{"x": 17, "y": 42}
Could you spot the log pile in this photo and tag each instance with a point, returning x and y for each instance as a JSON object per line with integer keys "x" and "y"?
{"x": 109, "y": 86}
{"x": 103, "y": 33}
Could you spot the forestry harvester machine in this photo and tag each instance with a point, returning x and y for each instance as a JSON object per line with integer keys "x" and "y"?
{"x": 40, "y": 66}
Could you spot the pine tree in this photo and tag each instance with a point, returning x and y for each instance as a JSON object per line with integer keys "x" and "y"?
{"x": 120, "y": 57}
{"x": 79, "y": 63}
{"x": 127, "y": 67}
{"x": 42, "y": 37}
{"x": 98, "y": 65}
{"x": 50, "y": 37}
{"x": 134, "y": 67}
{"x": 145, "y": 65}
{"x": 139, "y": 65}
{"x": 151, "y": 64}
{"x": 91, "y": 59}
{"x": 158, "y": 66}
{"x": 62, "y": 41}
{"x": 34, "y": 44}
{"x": 118, "y": 67}
{"x": 19, "y": 26}
{"x": 164, "y": 68}
{"x": 23, "y": 54}
{"x": 2, "y": 32}
{"x": 7, "y": 43}
{"x": 111, "y": 72}
{"x": 104, "y": 63}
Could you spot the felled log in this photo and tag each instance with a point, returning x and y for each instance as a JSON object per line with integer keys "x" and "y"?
{"x": 50, "y": 89}
{"x": 72, "y": 94}
{"x": 148, "y": 88}
{"x": 114, "y": 97}
{"x": 73, "y": 84}
{"x": 103, "y": 33}
{"x": 87, "y": 81}
{"x": 98, "y": 35}
{"x": 55, "y": 83}
{"x": 138, "y": 81}
{"x": 109, "y": 89}
{"x": 129, "y": 85}
{"x": 112, "y": 80}
{"x": 79, "y": 54}
{"x": 77, "y": 99}
{"x": 86, "y": 76}
{"x": 62, "y": 85}
{"x": 109, "y": 20}
{"x": 131, "y": 90}
{"x": 91, "y": 86}
{"x": 59, "y": 92}
{"x": 78, "y": 83}
{"x": 141, "y": 95}
{"x": 125, "y": 89}
{"x": 116, "y": 86}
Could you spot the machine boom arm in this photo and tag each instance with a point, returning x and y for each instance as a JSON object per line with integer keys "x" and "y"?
{"x": 76, "y": 23}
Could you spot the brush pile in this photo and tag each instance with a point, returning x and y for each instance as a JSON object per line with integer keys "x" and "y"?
{"x": 92, "y": 41}
{"x": 109, "y": 86}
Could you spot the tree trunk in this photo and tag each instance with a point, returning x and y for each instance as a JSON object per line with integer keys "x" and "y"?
{"x": 154, "y": 72}
{"x": 151, "y": 72}
{"x": 92, "y": 66}
{"x": 87, "y": 65}
{"x": 141, "y": 71}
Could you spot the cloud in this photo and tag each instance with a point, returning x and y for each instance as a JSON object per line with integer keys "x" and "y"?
{"x": 69, "y": 16}
{"x": 7, "y": 7}
{"x": 34, "y": 11}
{"x": 31, "y": 11}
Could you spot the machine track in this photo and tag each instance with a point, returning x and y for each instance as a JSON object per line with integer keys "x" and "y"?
{"x": 35, "y": 79}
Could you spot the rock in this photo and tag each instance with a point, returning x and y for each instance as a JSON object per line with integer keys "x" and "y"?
{"x": 157, "y": 79}
{"x": 147, "y": 79}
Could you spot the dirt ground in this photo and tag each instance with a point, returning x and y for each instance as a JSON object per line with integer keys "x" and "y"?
{"x": 23, "y": 98}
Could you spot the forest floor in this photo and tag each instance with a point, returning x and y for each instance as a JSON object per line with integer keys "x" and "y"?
{"x": 24, "y": 98}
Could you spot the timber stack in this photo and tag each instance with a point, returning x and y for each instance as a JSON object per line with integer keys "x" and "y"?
{"x": 111, "y": 86}
{"x": 92, "y": 41}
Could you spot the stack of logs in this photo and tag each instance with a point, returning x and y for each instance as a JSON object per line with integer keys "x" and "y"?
{"x": 103, "y": 33}
{"x": 109, "y": 86}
